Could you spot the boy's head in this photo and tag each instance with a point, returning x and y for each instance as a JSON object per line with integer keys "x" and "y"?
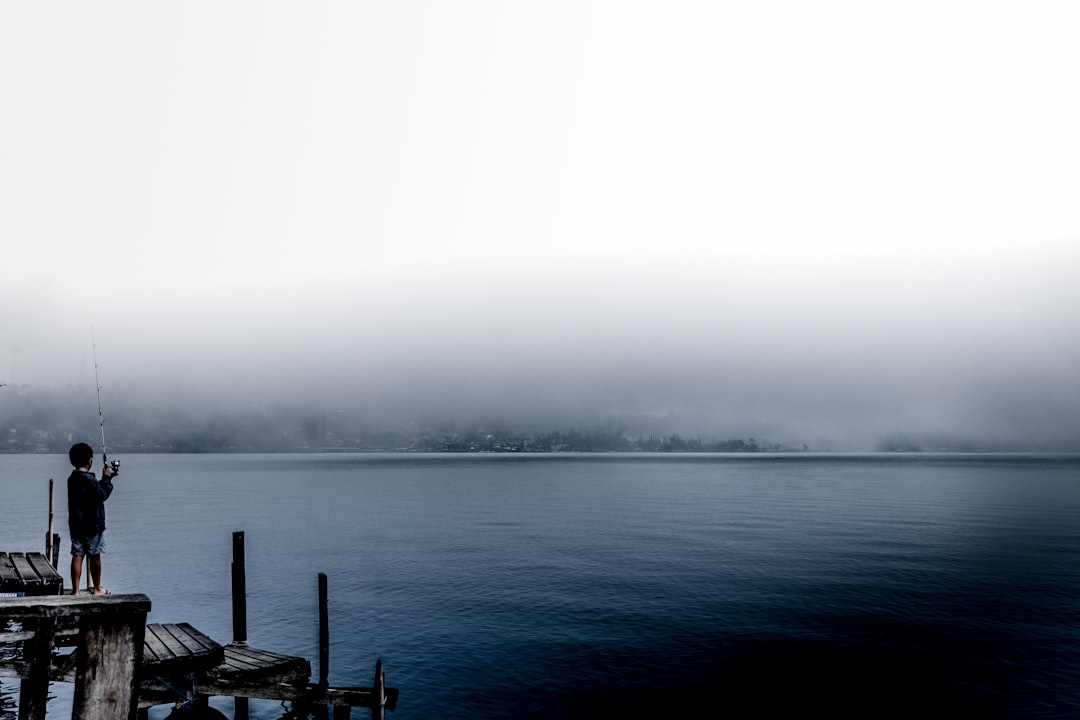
{"x": 80, "y": 455}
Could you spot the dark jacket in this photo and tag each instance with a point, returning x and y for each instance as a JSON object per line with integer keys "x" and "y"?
{"x": 86, "y": 503}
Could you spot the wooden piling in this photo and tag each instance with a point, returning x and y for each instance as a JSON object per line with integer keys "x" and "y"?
{"x": 378, "y": 708}
{"x": 239, "y": 611}
{"x": 324, "y": 632}
{"x": 239, "y": 589}
{"x": 56, "y": 551}
{"x": 50, "y": 537}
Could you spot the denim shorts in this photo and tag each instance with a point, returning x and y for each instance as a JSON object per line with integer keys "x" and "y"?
{"x": 93, "y": 545}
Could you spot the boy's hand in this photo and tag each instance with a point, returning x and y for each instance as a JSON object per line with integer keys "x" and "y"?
{"x": 108, "y": 471}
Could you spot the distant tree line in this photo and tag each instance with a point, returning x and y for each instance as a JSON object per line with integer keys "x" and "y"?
{"x": 34, "y": 420}
{"x": 44, "y": 421}
{"x": 597, "y": 439}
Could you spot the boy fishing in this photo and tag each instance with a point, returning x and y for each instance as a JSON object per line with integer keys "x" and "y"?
{"x": 86, "y": 515}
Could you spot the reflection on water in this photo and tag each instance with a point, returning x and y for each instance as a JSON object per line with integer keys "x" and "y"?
{"x": 8, "y": 706}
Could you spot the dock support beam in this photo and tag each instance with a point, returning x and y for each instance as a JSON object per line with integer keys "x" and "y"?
{"x": 108, "y": 657}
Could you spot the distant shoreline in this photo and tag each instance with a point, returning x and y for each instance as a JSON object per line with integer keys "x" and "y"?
{"x": 793, "y": 454}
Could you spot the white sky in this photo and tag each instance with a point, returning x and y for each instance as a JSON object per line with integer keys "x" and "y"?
{"x": 332, "y": 188}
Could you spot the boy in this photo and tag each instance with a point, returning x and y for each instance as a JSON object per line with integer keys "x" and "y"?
{"x": 86, "y": 515}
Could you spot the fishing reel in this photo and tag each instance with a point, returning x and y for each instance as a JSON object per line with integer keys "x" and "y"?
{"x": 115, "y": 465}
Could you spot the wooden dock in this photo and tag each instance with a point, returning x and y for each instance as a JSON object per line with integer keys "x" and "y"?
{"x": 174, "y": 649}
{"x": 29, "y": 574}
{"x": 121, "y": 665}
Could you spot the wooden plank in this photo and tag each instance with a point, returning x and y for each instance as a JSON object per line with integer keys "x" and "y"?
{"x": 9, "y": 579}
{"x": 63, "y": 606}
{"x": 51, "y": 581}
{"x": 168, "y": 648}
{"x": 240, "y": 657}
{"x": 27, "y": 575}
{"x": 243, "y": 662}
{"x": 196, "y": 642}
{"x": 154, "y": 650}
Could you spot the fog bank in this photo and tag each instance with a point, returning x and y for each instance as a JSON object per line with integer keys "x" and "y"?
{"x": 837, "y": 223}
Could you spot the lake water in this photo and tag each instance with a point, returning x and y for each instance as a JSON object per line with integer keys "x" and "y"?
{"x": 571, "y": 586}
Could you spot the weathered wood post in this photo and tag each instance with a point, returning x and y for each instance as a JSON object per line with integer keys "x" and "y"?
{"x": 378, "y": 709}
{"x": 50, "y": 537}
{"x": 239, "y": 611}
{"x": 324, "y": 633}
{"x": 239, "y": 589}
{"x": 37, "y": 651}
{"x": 52, "y": 540}
{"x": 107, "y": 660}
{"x": 341, "y": 712}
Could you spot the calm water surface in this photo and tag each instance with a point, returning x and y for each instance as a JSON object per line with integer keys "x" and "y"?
{"x": 590, "y": 586}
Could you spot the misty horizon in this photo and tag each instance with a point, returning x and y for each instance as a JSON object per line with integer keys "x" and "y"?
{"x": 841, "y": 226}
{"x": 138, "y": 420}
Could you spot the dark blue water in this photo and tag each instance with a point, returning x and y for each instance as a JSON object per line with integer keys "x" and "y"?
{"x": 630, "y": 586}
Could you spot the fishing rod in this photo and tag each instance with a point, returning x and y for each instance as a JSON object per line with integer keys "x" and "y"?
{"x": 101, "y": 416}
